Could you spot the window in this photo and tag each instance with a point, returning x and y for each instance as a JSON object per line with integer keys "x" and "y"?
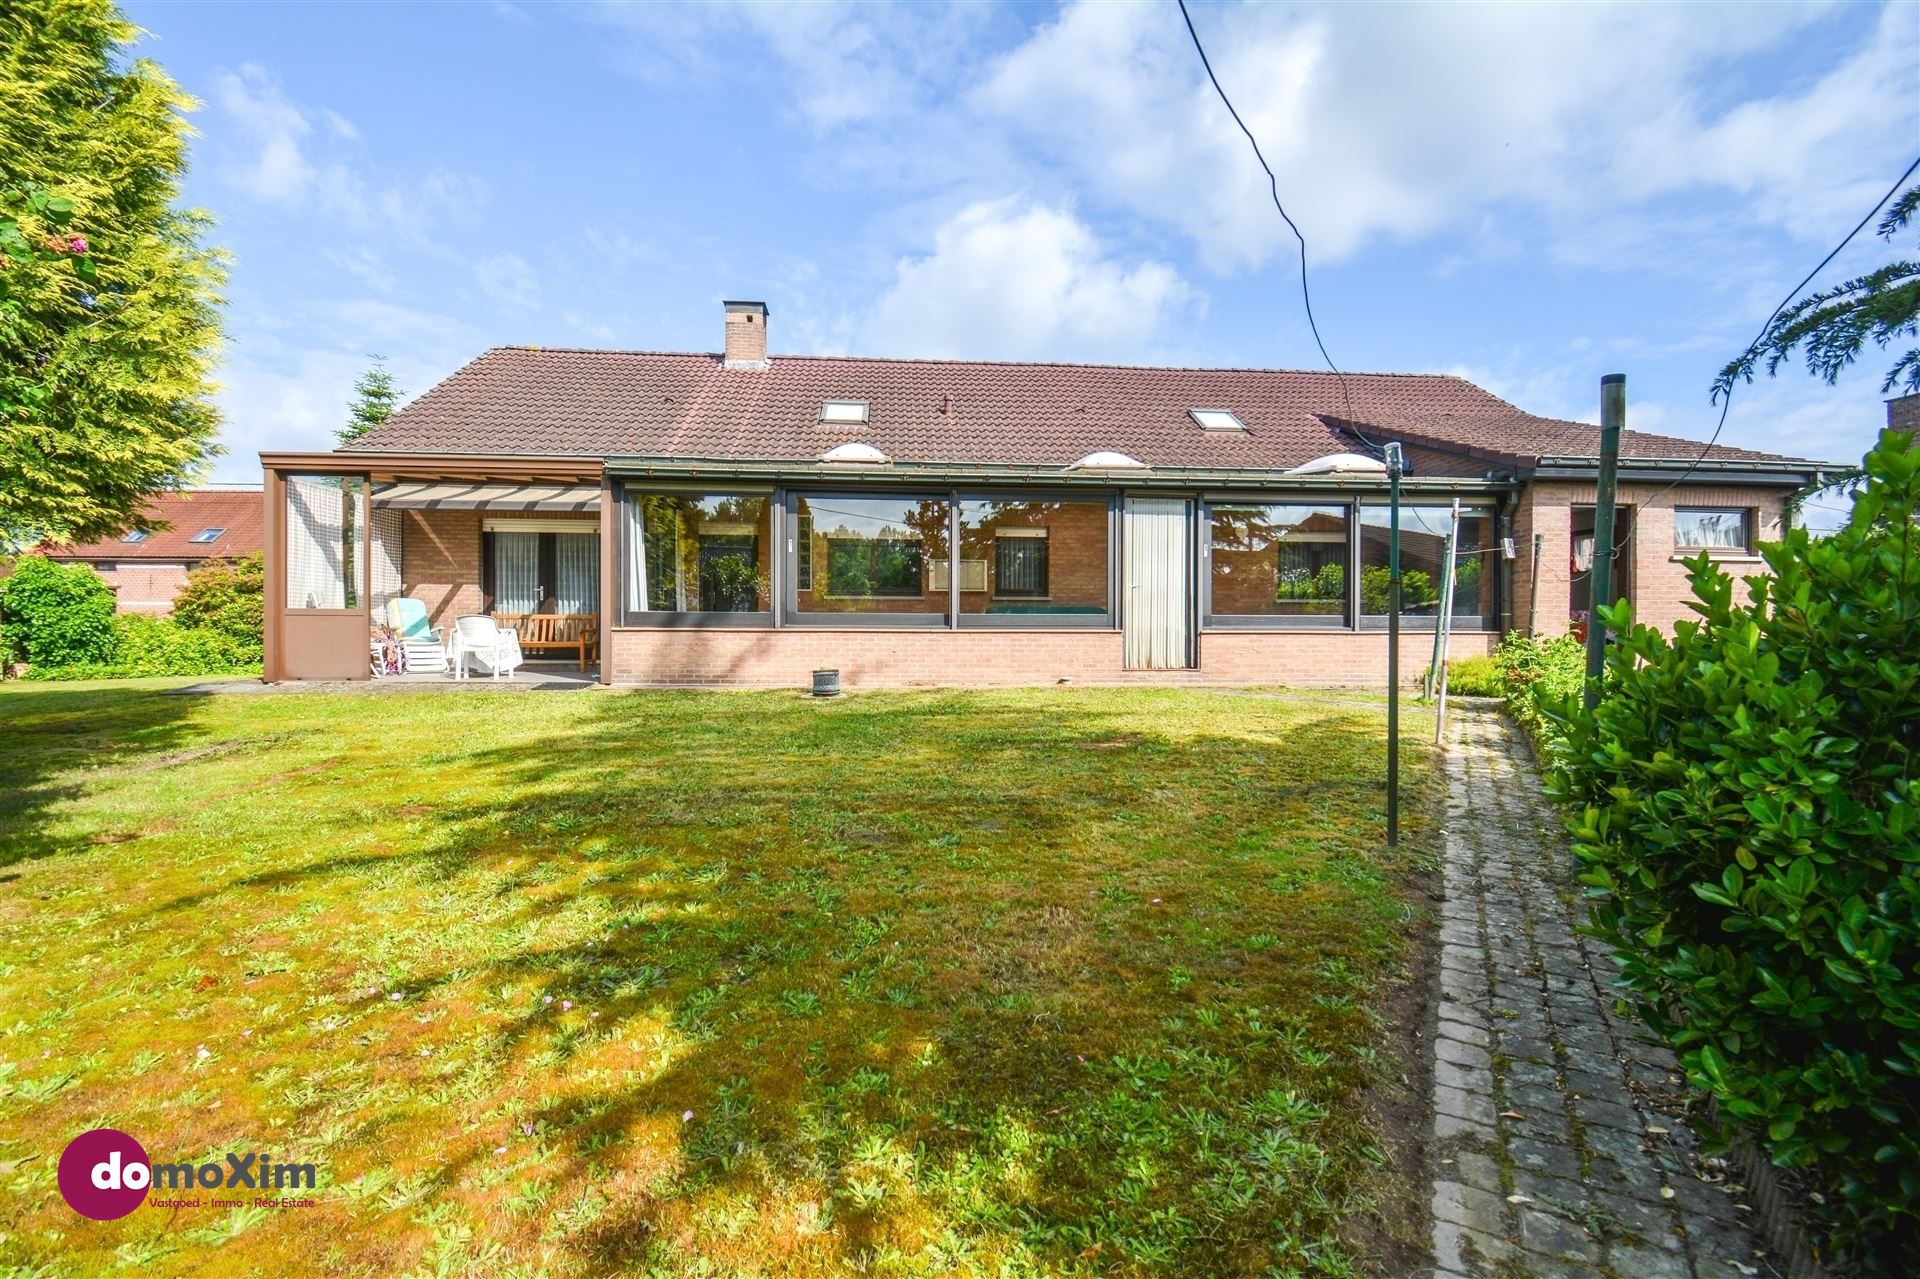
{"x": 1028, "y": 561}
{"x": 1020, "y": 563}
{"x": 326, "y": 541}
{"x": 690, "y": 554}
{"x": 135, "y": 537}
{"x": 1423, "y": 551}
{"x": 1712, "y": 529}
{"x": 1279, "y": 563}
{"x": 844, "y": 412}
{"x": 541, "y": 570}
{"x": 207, "y": 535}
{"x": 1216, "y": 419}
{"x": 871, "y": 555}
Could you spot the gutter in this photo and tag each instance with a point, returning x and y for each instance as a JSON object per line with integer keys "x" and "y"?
{"x": 961, "y": 473}
{"x": 1786, "y": 474}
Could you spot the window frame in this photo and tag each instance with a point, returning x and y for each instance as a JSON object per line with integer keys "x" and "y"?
{"x": 1345, "y": 621}
{"x": 208, "y": 536}
{"x": 1747, "y": 522}
{"x": 1108, "y": 620}
{"x": 1492, "y": 556}
{"x": 664, "y": 620}
{"x": 788, "y": 595}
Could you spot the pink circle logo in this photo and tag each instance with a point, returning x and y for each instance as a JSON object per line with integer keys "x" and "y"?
{"x": 104, "y": 1174}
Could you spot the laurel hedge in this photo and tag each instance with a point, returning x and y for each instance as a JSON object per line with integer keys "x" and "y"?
{"x": 1746, "y": 822}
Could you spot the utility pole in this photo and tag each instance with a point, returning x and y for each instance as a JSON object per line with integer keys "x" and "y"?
{"x": 1613, "y": 418}
{"x": 1394, "y": 465}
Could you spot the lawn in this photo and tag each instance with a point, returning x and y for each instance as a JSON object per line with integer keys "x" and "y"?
{"x": 1002, "y": 983}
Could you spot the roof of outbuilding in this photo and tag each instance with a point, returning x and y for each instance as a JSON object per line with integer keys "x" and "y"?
{"x": 236, "y": 510}
{"x": 544, "y": 401}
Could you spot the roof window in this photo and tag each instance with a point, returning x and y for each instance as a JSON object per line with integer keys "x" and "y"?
{"x": 207, "y": 535}
{"x": 1216, "y": 419}
{"x": 135, "y": 537}
{"x": 1106, "y": 460}
{"x": 844, "y": 413}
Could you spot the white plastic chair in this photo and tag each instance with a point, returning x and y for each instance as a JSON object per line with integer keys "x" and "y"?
{"x": 480, "y": 640}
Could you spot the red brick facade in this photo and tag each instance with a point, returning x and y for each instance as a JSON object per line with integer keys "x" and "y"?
{"x": 1657, "y": 580}
{"x": 143, "y": 588}
{"x": 878, "y": 658}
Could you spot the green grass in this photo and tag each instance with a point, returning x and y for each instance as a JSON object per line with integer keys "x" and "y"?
{"x": 1021, "y": 983}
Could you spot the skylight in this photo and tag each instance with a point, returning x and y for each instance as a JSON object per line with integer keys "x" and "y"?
{"x": 1107, "y": 460}
{"x": 856, "y": 454}
{"x": 135, "y": 537}
{"x": 1216, "y": 419}
{"x": 844, "y": 412}
{"x": 207, "y": 535}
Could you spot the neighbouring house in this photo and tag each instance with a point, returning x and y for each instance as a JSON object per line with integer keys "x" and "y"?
{"x": 147, "y": 569}
{"x": 740, "y": 518}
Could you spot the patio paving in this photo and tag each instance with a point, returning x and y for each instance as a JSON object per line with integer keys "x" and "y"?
{"x": 1559, "y": 1143}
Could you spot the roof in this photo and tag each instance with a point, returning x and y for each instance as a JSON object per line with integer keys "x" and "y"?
{"x": 237, "y": 510}
{"x": 546, "y": 401}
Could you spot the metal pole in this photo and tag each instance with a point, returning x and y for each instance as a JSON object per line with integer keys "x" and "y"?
{"x": 1613, "y": 417}
{"x": 1533, "y": 587}
{"x": 1394, "y": 464}
{"x": 1443, "y": 628}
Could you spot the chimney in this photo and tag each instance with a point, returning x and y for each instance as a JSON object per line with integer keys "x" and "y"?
{"x": 746, "y": 335}
{"x": 1903, "y": 413}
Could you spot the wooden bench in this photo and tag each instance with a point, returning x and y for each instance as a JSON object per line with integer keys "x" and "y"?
{"x": 556, "y": 632}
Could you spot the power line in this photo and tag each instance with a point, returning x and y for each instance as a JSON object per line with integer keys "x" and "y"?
{"x": 1273, "y": 188}
{"x": 1726, "y": 403}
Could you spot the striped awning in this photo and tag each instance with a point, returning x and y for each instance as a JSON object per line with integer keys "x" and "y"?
{"x": 488, "y": 497}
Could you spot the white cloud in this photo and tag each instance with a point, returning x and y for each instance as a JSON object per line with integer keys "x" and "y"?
{"x": 277, "y": 170}
{"x": 1015, "y": 278}
{"x": 507, "y": 279}
{"x": 1398, "y": 122}
{"x": 307, "y": 159}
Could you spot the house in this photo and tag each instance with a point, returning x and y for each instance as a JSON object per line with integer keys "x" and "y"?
{"x": 147, "y": 569}
{"x": 740, "y": 518}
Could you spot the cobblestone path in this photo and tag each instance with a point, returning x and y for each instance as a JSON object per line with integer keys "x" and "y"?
{"x": 1558, "y": 1144}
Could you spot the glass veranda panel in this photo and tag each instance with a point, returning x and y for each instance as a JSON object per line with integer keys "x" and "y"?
{"x": 698, "y": 553}
{"x": 1282, "y": 561}
{"x": 872, "y": 555}
{"x": 1034, "y": 558}
{"x": 1423, "y": 543}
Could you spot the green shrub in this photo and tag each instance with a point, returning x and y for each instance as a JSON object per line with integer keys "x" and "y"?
{"x": 226, "y": 596}
{"x": 1748, "y": 826}
{"x": 1542, "y": 680}
{"x": 161, "y": 646}
{"x": 1475, "y": 677}
{"x": 55, "y": 614}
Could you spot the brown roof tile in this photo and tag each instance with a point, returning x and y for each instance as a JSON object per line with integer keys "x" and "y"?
{"x": 527, "y": 400}
{"x": 187, "y": 512}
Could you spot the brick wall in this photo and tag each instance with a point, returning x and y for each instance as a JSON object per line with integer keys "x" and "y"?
{"x": 888, "y": 658}
{"x": 440, "y": 562}
{"x": 1658, "y": 581}
{"x": 1903, "y": 414}
{"x": 145, "y": 588}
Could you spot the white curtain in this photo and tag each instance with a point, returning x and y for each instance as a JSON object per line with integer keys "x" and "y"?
{"x": 385, "y": 557}
{"x": 1159, "y": 583}
{"x": 636, "y": 554}
{"x": 326, "y": 524}
{"x": 516, "y": 572}
{"x": 577, "y": 563}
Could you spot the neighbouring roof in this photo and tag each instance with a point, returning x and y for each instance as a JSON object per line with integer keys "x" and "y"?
{"x": 542, "y": 401}
{"x": 236, "y": 510}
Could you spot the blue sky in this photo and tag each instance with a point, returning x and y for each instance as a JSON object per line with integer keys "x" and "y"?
{"x": 1530, "y": 197}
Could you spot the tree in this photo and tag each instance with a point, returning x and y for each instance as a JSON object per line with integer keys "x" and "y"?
{"x": 1834, "y": 324}
{"x": 374, "y": 399}
{"x": 109, "y": 302}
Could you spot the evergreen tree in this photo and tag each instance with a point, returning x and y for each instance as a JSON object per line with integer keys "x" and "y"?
{"x": 375, "y": 397}
{"x": 109, "y": 300}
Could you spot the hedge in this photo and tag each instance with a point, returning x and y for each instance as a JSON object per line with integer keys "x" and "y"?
{"x": 1747, "y": 826}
